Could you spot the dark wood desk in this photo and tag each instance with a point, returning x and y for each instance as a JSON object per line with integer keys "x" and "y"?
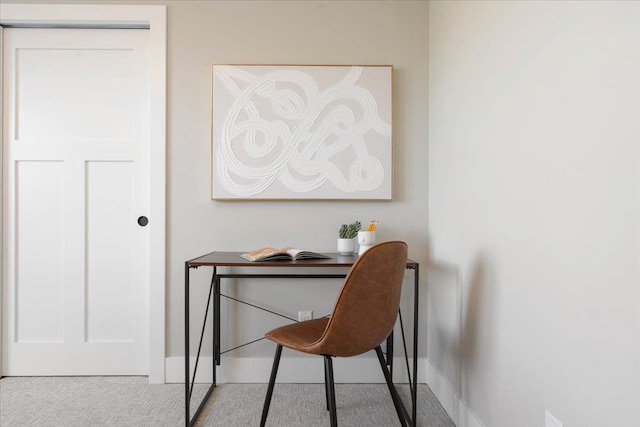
{"x": 233, "y": 259}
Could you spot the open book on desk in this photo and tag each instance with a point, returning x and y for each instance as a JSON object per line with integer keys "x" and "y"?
{"x": 273, "y": 254}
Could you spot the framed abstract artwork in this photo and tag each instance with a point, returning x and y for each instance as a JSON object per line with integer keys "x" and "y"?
{"x": 301, "y": 132}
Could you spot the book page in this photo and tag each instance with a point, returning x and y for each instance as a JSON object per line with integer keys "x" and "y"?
{"x": 293, "y": 251}
{"x": 302, "y": 254}
{"x": 261, "y": 253}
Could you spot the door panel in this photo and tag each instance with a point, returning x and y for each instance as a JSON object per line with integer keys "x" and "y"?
{"x": 110, "y": 291}
{"x": 76, "y": 164}
{"x": 66, "y": 94}
{"x": 39, "y": 297}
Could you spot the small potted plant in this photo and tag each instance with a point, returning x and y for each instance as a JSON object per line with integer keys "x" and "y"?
{"x": 346, "y": 237}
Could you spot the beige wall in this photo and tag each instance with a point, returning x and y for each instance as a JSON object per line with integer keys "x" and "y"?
{"x": 534, "y": 212}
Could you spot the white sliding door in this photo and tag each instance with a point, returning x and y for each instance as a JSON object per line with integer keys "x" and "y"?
{"x": 76, "y": 180}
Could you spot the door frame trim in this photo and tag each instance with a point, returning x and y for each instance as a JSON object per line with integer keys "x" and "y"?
{"x": 153, "y": 17}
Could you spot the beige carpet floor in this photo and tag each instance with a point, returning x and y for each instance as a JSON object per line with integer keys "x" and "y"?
{"x": 131, "y": 401}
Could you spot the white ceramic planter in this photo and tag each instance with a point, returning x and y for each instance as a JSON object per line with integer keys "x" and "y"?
{"x": 346, "y": 246}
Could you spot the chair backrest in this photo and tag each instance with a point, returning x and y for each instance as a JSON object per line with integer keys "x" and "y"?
{"x": 367, "y": 306}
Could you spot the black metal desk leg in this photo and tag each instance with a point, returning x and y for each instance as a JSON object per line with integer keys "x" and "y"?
{"x": 216, "y": 319}
{"x": 187, "y": 397}
{"x": 390, "y": 354}
{"x": 214, "y": 328}
{"x": 414, "y": 391}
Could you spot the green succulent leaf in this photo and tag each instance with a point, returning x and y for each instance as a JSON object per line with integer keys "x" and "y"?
{"x": 349, "y": 231}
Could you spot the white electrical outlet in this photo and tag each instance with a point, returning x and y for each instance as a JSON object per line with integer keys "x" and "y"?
{"x": 305, "y": 315}
{"x": 550, "y": 420}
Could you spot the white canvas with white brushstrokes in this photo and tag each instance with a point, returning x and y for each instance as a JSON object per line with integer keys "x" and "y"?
{"x": 301, "y": 132}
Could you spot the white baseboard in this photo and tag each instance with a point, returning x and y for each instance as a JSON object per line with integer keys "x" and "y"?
{"x": 457, "y": 409}
{"x": 291, "y": 370}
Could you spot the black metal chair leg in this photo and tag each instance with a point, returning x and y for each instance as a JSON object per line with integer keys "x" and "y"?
{"x": 332, "y": 391}
{"x": 272, "y": 381}
{"x": 326, "y": 386}
{"x": 394, "y": 394}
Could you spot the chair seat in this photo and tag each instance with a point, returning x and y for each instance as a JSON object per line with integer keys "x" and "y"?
{"x": 299, "y": 336}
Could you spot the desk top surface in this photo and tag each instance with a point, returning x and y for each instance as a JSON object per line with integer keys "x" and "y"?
{"x": 233, "y": 259}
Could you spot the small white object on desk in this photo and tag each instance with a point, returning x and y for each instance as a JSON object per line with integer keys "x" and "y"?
{"x": 366, "y": 239}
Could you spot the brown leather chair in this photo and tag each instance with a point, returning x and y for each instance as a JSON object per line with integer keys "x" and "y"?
{"x": 362, "y": 318}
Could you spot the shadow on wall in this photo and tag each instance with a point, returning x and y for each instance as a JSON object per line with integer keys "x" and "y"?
{"x": 461, "y": 315}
